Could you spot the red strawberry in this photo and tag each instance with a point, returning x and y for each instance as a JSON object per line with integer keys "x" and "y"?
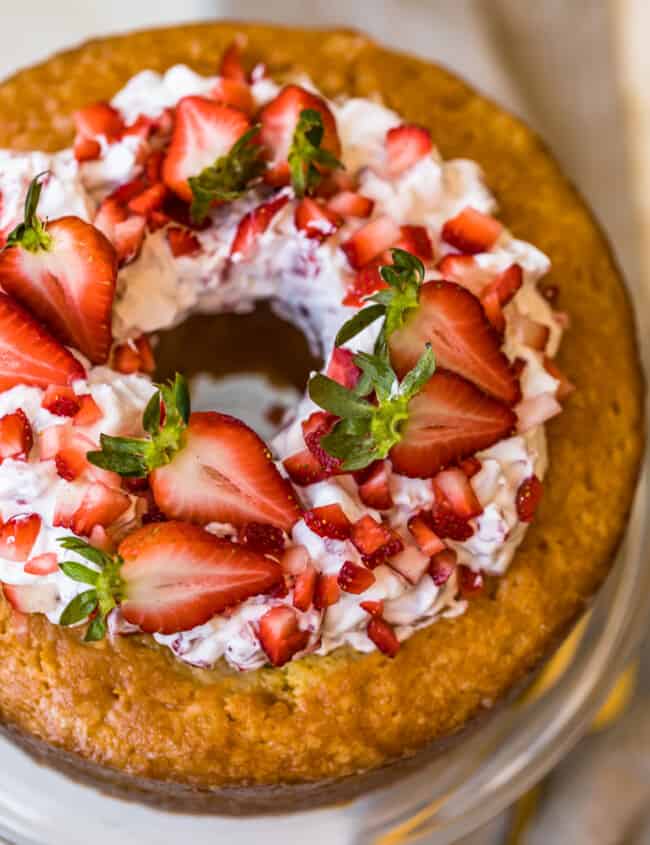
{"x": 528, "y": 498}
{"x": 470, "y": 466}
{"x": 94, "y": 504}
{"x": 565, "y": 387}
{"x": 375, "y": 489}
{"x": 86, "y": 149}
{"x": 448, "y": 524}
{"x": 124, "y": 232}
{"x": 426, "y": 538}
{"x": 505, "y": 286}
{"x": 18, "y": 535}
{"x": 369, "y": 536}
{"x": 153, "y": 166}
{"x": 454, "y": 488}
{"x": 328, "y": 521}
{"x": 124, "y": 193}
{"x": 177, "y": 576}
{"x": 353, "y": 578}
{"x": 182, "y": 242}
{"x": 294, "y": 560}
{"x": 40, "y": 597}
{"x": 304, "y": 468}
{"x": 223, "y": 473}
{"x": 411, "y": 564}
{"x": 265, "y": 539}
{"x": 231, "y": 66}
{"x": 134, "y": 356}
{"x": 45, "y": 564}
{"x": 464, "y": 271}
{"x": 279, "y": 119}
{"x": 452, "y": 320}
{"x": 253, "y": 224}
{"x": 443, "y": 566}
{"x": 89, "y": 411}
{"x": 16, "y": 439}
{"x": 416, "y": 240}
{"x": 304, "y": 587}
{"x": 371, "y": 240}
{"x": 314, "y": 428}
{"x": 383, "y": 636}
{"x": 342, "y": 368}
{"x": 204, "y": 131}
{"x": 374, "y": 608}
{"x": 405, "y": 146}
{"x": 327, "y": 591}
{"x": 280, "y": 635}
{"x": 366, "y": 281}
{"x": 61, "y": 401}
{"x": 235, "y": 93}
{"x": 151, "y": 199}
{"x": 99, "y": 119}
{"x": 351, "y": 204}
{"x": 315, "y": 220}
{"x": 448, "y": 420}
{"x": 471, "y": 231}
{"x": 470, "y": 583}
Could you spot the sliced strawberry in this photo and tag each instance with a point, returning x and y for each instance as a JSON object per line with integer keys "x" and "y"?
{"x": 351, "y": 204}
{"x": 40, "y": 597}
{"x": 448, "y": 420}
{"x": 451, "y": 319}
{"x": 405, "y": 146}
{"x": 304, "y": 588}
{"x": 355, "y": 579}
{"x": 99, "y": 119}
{"x": 45, "y": 564}
{"x": 18, "y": 535}
{"x": 342, "y": 368}
{"x": 182, "y": 242}
{"x": 316, "y": 221}
{"x": 470, "y": 466}
{"x": 470, "y": 583}
{"x": 177, "y": 576}
{"x": 89, "y": 411}
{"x": 327, "y": 591}
{"x": 328, "y": 521}
{"x": 280, "y": 635}
{"x": 565, "y": 387}
{"x": 374, "y": 608}
{"x": 86, "y": 149}
{"x": 203, "y": 132}
{"x": 416, "y": 240}
{"x": 279, "y": 119}
{"x": 124, "y": 232}
{"x": 375, "y": 489}
{"x": 61, "y": 401}
{"x": 383, "y": 636}
{"x": 151, "y": 199}
{"x": 224, "y": 473}
{"x": 443, "y": 566}
{"x": 454, "y": 488}
{"x": 366, "y": 281}
{"x": 235, "y": 93}
{"x": 231, "y": 66}
{"x": 471, "y": 231}
{"x": 411, "y": 563}
{"x": 371, "y": 240}
{"x": 464, "y": 271}
{"x": 253, "y": 224}
{"x": 262, "y": 538}
{"x": 16, "y": 438}
{"x": 529, "y": 495}
{"x": 426, "y": 538}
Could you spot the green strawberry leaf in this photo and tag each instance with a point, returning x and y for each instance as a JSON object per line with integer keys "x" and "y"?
{"x": 84, "y": 549}
{"x": 79, "y": 608}
{"x": 306, "y": 152}
{"x": 379, "y": 372}
{"x": 361, "y": 320}
{"x": 96, "y": 630}
{"x": 31, "y": 234}
{"x": 336, "y": 399}
{"x": 79, "y": 572}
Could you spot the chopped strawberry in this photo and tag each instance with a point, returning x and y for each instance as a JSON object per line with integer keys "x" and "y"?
{"x": 204, "y": 131}
{"x": 536, "y": 410}
{"x": 253, "y": 224}
{"x": 153, "y": 167}
{"x": 314, "y": 428}
{"x": 411, "y": 563}
{"x": 565, "y": 387}
{"x": 470, "y": 583}
{"x": 235, "y": 93}
{"x": 124, "y": 232}
{"x": 405, "y": 146}
{"x": 447, "y": 524}
{"x": 426, "y": 538}
{"x": 97, "y": 505}
{"x": 158, "y": 220}
{"x": 443, "y": 566}
{"x": 327, "y": 591}
{"x": 304, "y": 468}
{"x": 151, "y": 199}
{"x": 355, "y": 579}
{"x": 375, "y": 489}
{"x": 18, "y": 535}
{"x": 464, "y": 271}
{"x": 177, "y": 576}
{"x": 279, "y": 590}
{"x": 494, "y": 311}
{"x": 127, "y": 191}
{"x": 304, "y": 588}
{"x": 99, "y": 119}
{"x": 294, "y": 560}
{"x": 383, "y": 636}
{"x": 328, "y": 521}
{"x": 70, "y": 463}
{"x": 280, "y": 635}
{"x": 371, "y": 240}
{"x": 452, "y": 485}
{"x": 86, "y": 149}
{"x": 315, "y": 220}
{"x": 134, "y": 356}
{"x": 342, "y": 368}
{"x": 223, "y": 473}
{"x": 16, "y": 438}
{"x": 40, "y": 597}
{"x": 366, "y": 281}
{"x": 374, "y": 608}
{"x": 61, "y": 401}
{"x": 451, "y": 319}
{"x": 416, "y": 240}
{"x": 351, "y": 204}
{"x": 448, "y": 420}
{"x": 369, "y": 536}
{"x": 262, "y": 538}
{"x": 45, "y": 564}
{"x": 471, "y": 231}
{"x": 506, "y": 284}
{"x": 182, "y": 242}
{"x": 279, "y": 119}
{"x": 529, "y": 495}
{"x": 231, "y": 66}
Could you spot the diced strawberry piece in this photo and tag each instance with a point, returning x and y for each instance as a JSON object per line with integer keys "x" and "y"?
{"x": 304, "y": 588}
{"x": 177, "y": 576}
{"x": 506, "y": 284}
{"x": 45, "y": 564}
{"x": 411, "y": 563}
{"x": 70, "y": 463}
{"x": 464, "y": 271}
{"x": 428, "y": 541}
{"x": 147, "y": 360}
{"x": 100, "y": 505}
{"x": 371, "y": 240}
{"x": 355, "y": 579}
{"x": 124, "y": 232}
{"x": 149, "y": 200}
{"x": 182, "y": 242}
{"x": 529, "y": 495}
{"x": 470, "y": 583}
{"x": 40, "y": 597}
{"x": 99, "y": 119}
{"x": 235, "y": 93}
{"x": 327, "y": 591}
{"x": 153, "y": 167}
{"x": 134, "y": 356}
{"x": 315, "y": 220}
{"x": 368, "y": 535}
{"x": 383, "y": 636}
{"x": 451, "y": 319}
{"x": 262, "y": 538}
{"x": 447, "y": 524}
{"x": 351, "y": 204}
{"x": 494, "y": 312}
{"x": 416, "y": 240}
{"x": 452, "y": 485}
{"x": 100, "y": 539}
{"x": 16, "y": 439}
{"x": 280, "y": 635}
{"x": 328, "y": 521}
{"x": 342, "y": 368}
{"x": 231, "y": 66}
{"x": 374, "y": 608}
{"x": 18, "y": 535}
{"x": 223, "y": 473}
{"x": 536, "y": 410}
{"x": 279, "y": 119}
{"x": 529, "y": 332}
{"x": 443, "y": 566}
{"x": 405, "y": 146}
{"x": 124, "y": 193}
{"x": 366, "y": 281}
{"x": 565, "y": 387}
{"x": 61, "y": 401}
{"x": 86, "y": 149}
{"x": 253, "y": 224}
{"x": 314, "y": 428}
{"x": 279, "y": 590}
{"x": 384, "y": 553}
{"x": 471, "y": 231}
{"x": 304, "y": 468}
{"x": 294, "y": 560}
{"x": 158, "y": 220}
{"x": 375, "y": 490}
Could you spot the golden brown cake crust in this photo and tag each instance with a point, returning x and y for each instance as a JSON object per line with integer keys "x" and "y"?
{"x": 131, "y": 706}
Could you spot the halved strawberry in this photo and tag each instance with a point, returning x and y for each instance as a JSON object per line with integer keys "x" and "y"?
{"x": 89, "y": 411}
{"x": 371, "y": 240}
{"x": 177, "y": 576}
{"x": 443, "y": 566}
{"x": 411, "y": 564}
{"x": 471, "y": 231}
{"x": 327, "y": 591}
{"x": 449, "y": 420}
{"x": 182, "y": 242}
{"x": 304, "y": 588}
{"x": 223, "y": 473}
{"x": 235, "y": 93}
{"x": 61, "y": 401}
{"x": 328, "y": 521}
{"x": 16, "y": 438}
{"x": 262, "y": 538}
{"x": 279, "y": 119}
{"x": 355, "y": 579}
{"x": 124, "y": 232}
{"x": 40, "y": 597}
{"x": 304, "y": 468}
{"x": 351, "y": 204}
{"x": 45, "y": 564}
{"x": 316, "y": 221}
{"x": 426, "y": 538}
{"x": 405, "y": 146}
{"x": 204, "y": 131}
{"x": 18, "y": 535}
{"x": 451, "y": 319}
{"x": 383, "y": 636}
{"x": 231, "y": 66}
{"x": 342, "y": 368}
{"x": 374, "y": 491}
{"x": 529, "y": 495}
{"x": 454, "y": 488}
{"x": 280, "y": 635}
{"x": 253, "y": 224}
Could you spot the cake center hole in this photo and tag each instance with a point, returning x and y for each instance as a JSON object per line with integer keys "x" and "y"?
{"x": 254, "y": 366}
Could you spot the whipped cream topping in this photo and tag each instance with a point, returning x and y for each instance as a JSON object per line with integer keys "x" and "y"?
{"x": 306, "y": 282}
